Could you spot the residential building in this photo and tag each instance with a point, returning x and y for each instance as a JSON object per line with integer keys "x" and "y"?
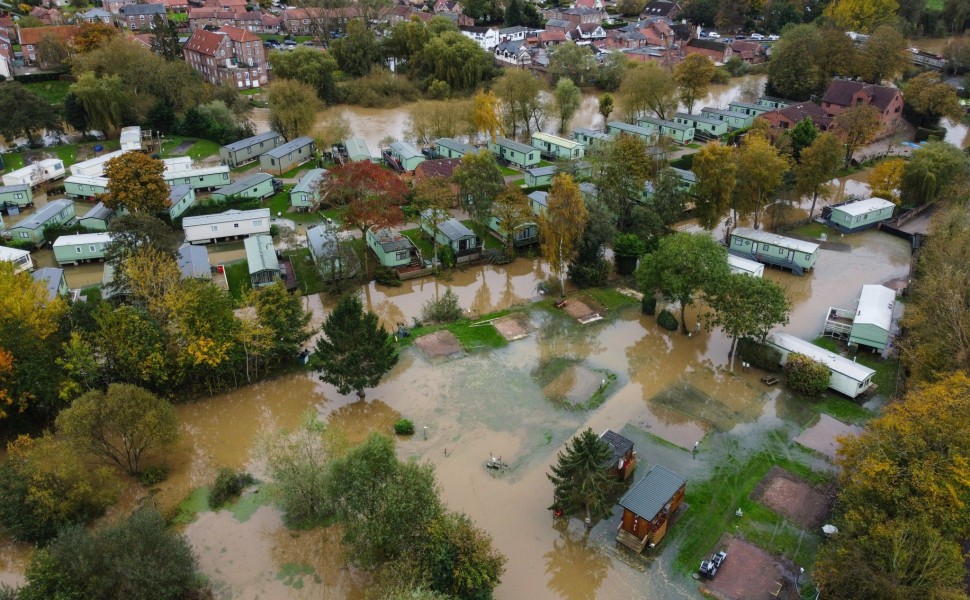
{"x": 393, "y": 250}
{"x": 662, "y": 8}
{"x": 513, "y": 54}
{"x": 249, "y": 149}
{"x": 47, "y": 16}
{"x": 539, "y": 176}
{"x": 439, "y": 167}
{"x": 453, "y": 233}
{"x": 21, "y": 259}
{"x": 586, "y": 33}
{"x": 356, "y": 149}
{"x": 556, "y": 147}
{"x": 618, "y": 127}
{"x": 130, "y": 138}
{"x": 97, "y": 218}
{"x": 311, "y": 21}
{"x": 486, "y": 37}
{"x": 114, "y": 6}
{"x": 648, "y": 506}
{"x": 843, "y": 94}
{"x": 404, "y": 156}
{"x": 773, "y": 249}
{"x": 333, "y": 259}
{"x": 744, "y": 266}
{"x": 52, "y": 278}
{"x": 751, "y": 53}
{"x": 291, "y": 154}
{"x": 748, "y": 108}
{"x": 792, "y": 114}
{"x": 448, "y": 6}
{"x": 140, "y": 16}
{"x": 229, "y": 56}
{"x": 859, "y": 215}
{"x": 451, "y": 148}
{"x": 559, "y": 25}
{"x": 19, "y": 196}
{"x": 513, "y": 34}
{"x": 734, "y": 120}
{"x": 870, "y": 324}
{"x": 77, "y": 249}
{"x": 94, "y": 167}
{"x": 96, "y": 15}
{"x": 551, "y": 37}
{"x": 717, "y": 51}
{"x": 232, "y": 224}
{"x": 623, "y": 461}
{"x": 264, "y": 264}
{"x": 30, "y": 38}
{"x": 845, "y": 375}
{"x": 774, "y": 103}
{"x": 674, "y": 130}
{"x": 6, "y": 46}
{"x": 86, "y": 187}
{"x": 575, "y": 16}
{"x": 589, "y": 137}
{"x": 52, "y": 214}
{"x": 205, "y": 178}
{"x": 514, "y": 152}
{"x": 704, "y": 125}
{"x": 180, "y": 199}
{"x": 305, "y": 195}
{"x": 193, "y": 262}
{"x": 258, "y": 186}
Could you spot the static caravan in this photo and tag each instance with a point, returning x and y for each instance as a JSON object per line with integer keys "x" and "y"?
{"x": 264, "y": 265}
{"x": 405, "y": 156}
{"x": 648, "y": 506}
{"x": 774, "y": 103}
{"x": 845, "y": 376}
{"x": 333, "y": 260}
{"x": 705, "y": 125}
{"x": 19, "y": 196}
{"x": 249, "y": 149}
{"x": 539, "y": 202}
{"x": 743, "y": 266}
{"x": 52, "y": 214}
{"x": 618, "y": 127}
{"x": 452, "y": 148}
{"x": 462, "y": 240}
{"x": 84, "y": 247}
{"x": 291, "y": 154}
{"x": 515, "y": 153}
{"x": 180, "y": 199}
{"x": 97, "y": 218}
{"x": 306, "y": 193}
{"x": 734, "y": 120}
{"x": 85, "y": 186}
{"x": 232, "y": 224}
{"x": 94, "y": 167}
{"x": 21, "y": 259}
{"x": 774, "y": 249}
{"x": 687, "y": 178}
{"x": 193, "y": 262}
{"x": 589, "y": 137}
{"x": 753, "y": 110}
{"x": 37, "y": 173}
{"x": 52, "y": 278}
{"x": 557, "y": 147}
{"x": 537, "y": 176}
{"x": 861, "y": 215}
{"x": 683, "y": 134}
{"x": 258, "y": 186}
{"x": 177, "y": 164}
{"x": 199, "y": 179}
{"x": 393, "y": 249}
{"x": 357, "y": 150}
{"x": 870, "y": 324}
{"x": 130, "y": 138}
{"x": 524, "y": 235}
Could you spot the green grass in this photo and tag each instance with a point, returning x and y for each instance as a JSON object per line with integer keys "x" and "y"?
{"x": 247, "y": 504}
{"x": 544, "y": 163}
{"x": 812, "y": 230}
{"x": 13, "y": 161}
{"x": 237, "y": 274}
{"x": 52, "y": 91}
{"x": 886, "y": 370}
{"x": 196, "y": 502}
{"x": 471, "y": 336}
{"x": 306, "y": 271}
{"x": 510, "y": 171}
{"x": 713, "y": 504}
{"x": 934, "y": 5}
{"x": 200, "y": 149}
{"x": 178, "y": 17}
{"x": 250, "y": 92}
{"x": 491, "y": 242}
{"x": 292, "y": 574}
{"x": 334, "y": 214}
{"x": 518, "y": 182}
{"x": 280, "y": 203}
{"x": 609, "y": 298}
{"x": 293, "y": 172}
{"x": 421, "y": 241}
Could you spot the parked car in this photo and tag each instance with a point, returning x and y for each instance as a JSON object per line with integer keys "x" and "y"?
{"x": 773, "y": 38}
{"x": 714, "y": 35}
{"x": 710, "y": 567}
{"x": 290, "y": 43}
{"x": 757, "y": 36}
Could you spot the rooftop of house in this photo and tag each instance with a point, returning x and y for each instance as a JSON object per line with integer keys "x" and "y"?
{"x": 440, "y": 167}
{"x": 204, "y": 42}
{"x": 310, "y": 181}
{"x": 542, "y": 171}
{"x": 714, "y": 45}
{"x": 876, "y": 304}
{"x": 648, "y": 496}
{"x": 861, "y": 207}
{"x": 798, "y": 112}
{"x": 391, "y": 241}
{"x": 618, "y": 444}
{"x": 228, "y": 216}
{"x": 98, "y": 211}
{"x": 356, "y": 147}
{"x": 513, "y": 145}
{"x": 455, "y": 230}
{"x": 143, "y": 9}
{"x": 773, "y": 239}
{"x": 834, "y": 362}
{"x": 405, "y": 150}
{"x": 293, "y": 145}
{"x": 51, "y": 278}
{"x": 239, "y": 35}
{"x": 841, "y": 92}
{"x": 241, "y": 185}
{"x": 261, "y": 253}
{"x": 81, "y": 239}
{"x": 193, "y": 261}
{"x": 31, "y": 36}
{"x": 44, "y": 214}
{"x": 251, "y": 141}
{"x": 177, "y": 192}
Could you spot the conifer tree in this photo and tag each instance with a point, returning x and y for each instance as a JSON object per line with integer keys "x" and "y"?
{"x": 581, "y": 483}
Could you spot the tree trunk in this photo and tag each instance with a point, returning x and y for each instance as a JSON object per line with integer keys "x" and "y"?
{"x": 683, "y": 319}
{"x": 363, "y": 235}
{"x": 811, "y": 211}
{"x": 361, "y": 394}
{"x": 733, "y": 352}
{"x": 589, "y": 519}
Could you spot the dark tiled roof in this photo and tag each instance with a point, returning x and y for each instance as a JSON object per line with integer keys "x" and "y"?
{"x": 706, "y": 44}
{"x": 143, "y": 9}
{"x": 442, "y": 167}
{"x": 841, "y": 91}
{"x": 618, "y": 444}
{"x": 649, "y": 495}
{"x": 797, "y": 112}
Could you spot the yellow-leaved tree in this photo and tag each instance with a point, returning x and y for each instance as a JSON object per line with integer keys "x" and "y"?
{"x": 485, "y": 116}
{"x": 861, "y": 15}
{"x": 561, "y": 225}
{"x": 886, "y": 179}
{"x": 135, "y": 183}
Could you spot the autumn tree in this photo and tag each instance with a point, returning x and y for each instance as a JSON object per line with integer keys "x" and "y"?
{"x": 283, "y": 316}
{"x": 886, "y": 179}
{"x": 567, "y": 99}
{"x": 620, "y": 171}
{"x": 355, "y": 352}
{"x": 292, "y": 107}
{"x": 693, "y": 77}
{"x": 747, "y": 307}
{"x": 648, "y": 88}
{"x": 861, "y": 15}
{"x": 883, "y": 56}
{"x": 429, "y": 120}
{"x": 309, "y": 66}
{"x": 684, "y": 265}
{"x": 91, "y": 35}
{"x": 511, "y": 211}
{"x": 761, "y": 170}
{"x": 433, "y": 197}
{"x": 485, "y": 114}
{"x": 479, "y": 180}
{"x": 817, "y": 166}
{"x": 580, "y": 483}
{"x": 857, "y": 126}
{"x": 715, "y": 168}
{"x": 794, "y": 71}
{"x": 605, "y": 107}
{"x": 930, "y": 99}
{"x": 135, "y": 183}
{"x": 519, "y": 92}
{"x": 561, "y": 225}
{"x": 574, "y": 62}
{"x": 52, "y": 52}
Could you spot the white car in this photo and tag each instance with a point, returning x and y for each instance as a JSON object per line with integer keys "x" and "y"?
{"x": 757, "y": 36}
{"x": 714, "y": 35}
{"x": 772, "y": 38}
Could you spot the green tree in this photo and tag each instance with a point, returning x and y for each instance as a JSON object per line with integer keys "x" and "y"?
{"x": 479, "y": 180}
{"x": 683, "y": 265}
{"x": 861, "y": 15}
{"x": 132, "y": 347}
{"x": 120, "y": 426}
{"x": 454, "y": 59}
{"x": 358, "y": 51}
{"x": 817, "y": 166}
{"x": 693, "y": 77}
{"x": 460, "y": 559}
{"x": 52, "y": 52}
{"x": 884, "y": 54}
{"x": 561, "y": 225}
{"x": 135, "y": 183}
{"x": 104, "y": 100}
{"x": 518, "y": 91}
{"x": 653, "y": 219}
{"x": 590, "y": 268}
{"x": 648, "y": 88}
{"x": 794, "y": 71}
{"x": 283, "y": 316}
{"x": 165, "y": 39}
{"x": 747, "y": 307}
{"x": 25, "y": 112}
{"x": 929, "y": 98}
{"x": 299, "y": 463}
{"x": 856, "y": 127}
{"x": 606, "y": 107}
{"x": 716, "y": 168}
{"x": 932, "y": 172}
{"x": 581, "y": 484}
{"x": 620, "y": 172}
{"x": 356, "y": 351}
{"x": 573, "y": 62}
{"x": 761, "y": 170}
{"x": 292, "y": 107}
{"x": 567, "y": 98}
{"x": 802, "y": 135}
{"x": 511, "y": 211}
{"x": 310, "y": 66}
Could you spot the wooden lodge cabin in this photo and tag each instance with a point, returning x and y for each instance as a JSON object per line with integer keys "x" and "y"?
{"x": 624, "y": 460}
{"x": 647, "y": 508}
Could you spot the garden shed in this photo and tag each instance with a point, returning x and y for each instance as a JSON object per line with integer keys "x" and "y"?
{"x": 647, "y": 508}
{"x": 773, "y": 249}
{"x": 744, "y": 266}
{"x": 846, "y": 376}
{"x": 861, "y": 214}
{"x": 624, "y": 460}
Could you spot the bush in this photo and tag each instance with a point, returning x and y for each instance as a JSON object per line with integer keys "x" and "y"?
{"x": 228, "y": 485}
{"x": 722, "y": 76}
{"x": 648, "y": 305}
{"x": 627, "y": 248}
{"x": 805, "y": 375}
{"x": 442, "y": 310}
{"x": 684, "y": 162}
{"x": 387, "y": 276}
{"x": 667, "y": 320}
{"x": 404, "y": 427}
{"x": 590, "y": 274}
{"x": 446, "y": 256}
{"x": 761, "y": 356}
{"x": 153, "y": 475}
{"x": 379, "y": 89}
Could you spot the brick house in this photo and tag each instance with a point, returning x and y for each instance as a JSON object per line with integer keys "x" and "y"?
{"x": 843, "y": 94}
{"x": 449, "y": 6}
{"x": 140, "y": 16}
{"x": 30, "y": 38}
{"x": 114, "y": 6}
{"x": 577, "y": 15}
{"x": 200, "y": 18}
{"x": 6, "y": 46}
{"x": 307, "y": 21}
{"x": 786, "y": 118}
{"x": 751, "y": 53}
{"x": 229, "y": 56}
{"x": 712, "y": 49}
{"x": 662, "y": 8}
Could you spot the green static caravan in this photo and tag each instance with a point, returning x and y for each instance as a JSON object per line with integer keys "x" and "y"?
{"x": 539, "y": 202}
{"x": 774, "y": 249}
{"x": 334, "y": 260}
{"x": 452, "y": 148}
{"x": 734, "y": 120}
{"x": 618, "y": 127}
{"x": 845, "y": 376}
{"x": 53, "y": 280}
{"x": 701, "y": 124}
{"x": 97, "y": 218}
{"x": 258, "y": 186}
{"x": 680, "y": 133}
{"x": 357, "y": 150}
{"x": 281, "y": 159}
{"x": 180, "y": 199}
{"x": 590, "y": 137}
{"x": 774, "y": 103}
{"x": 199, "y": 179}
{"x": 453, "y": 233}
{"x": 557, "y": 147}
{"x": 861, "y": 215}
{"x": 687, "y": 178}
{"x": 393, "y": 250}
{"x": 526, "y": 234}
{"x": 406, "y": 155}
{"x": 249, "y": 149}
{"x": 52, "y": 214}
{"x": 19, "y": 196}
{"x": 515, "y": 153}
{"x": 306, "y": 193}
{"x": 752, "y": 110}
{"x": 264, "y": 265}
{"x": 538, "y": 176}
{"x": 85, "y": 186}
{"x": 84, "y": 247}
{"x": 870, "y": 324}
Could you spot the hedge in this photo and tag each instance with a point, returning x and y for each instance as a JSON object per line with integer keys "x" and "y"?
{"x": 667, "y": 320}
{"x": 759, "y": 355}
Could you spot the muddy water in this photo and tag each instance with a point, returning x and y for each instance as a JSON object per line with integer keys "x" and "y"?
{"x": 957, "y": 134}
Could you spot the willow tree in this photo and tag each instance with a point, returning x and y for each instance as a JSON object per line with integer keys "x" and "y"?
{"x": 104, "y": 99}
{"x": 561, "y": 225}
{"x": 485, "y": 114}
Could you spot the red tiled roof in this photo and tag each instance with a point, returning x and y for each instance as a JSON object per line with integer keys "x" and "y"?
{"x": 442, "y": 167}
{"x": 239, "y": 35}
{"x": 204, "y": 42}
{"x": 227, "y": 3}
{"x": 841, "y": 91}
{"x": 32, "y": 35}
{"x": 552, "y": 36}
{"x": 797, "y": 112}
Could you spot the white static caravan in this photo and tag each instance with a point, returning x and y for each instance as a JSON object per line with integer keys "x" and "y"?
{"x": 845, "y": 376}
{"x": 131, "y": 138}
{"x": 203, "y": 229}
{"x": 37, "y": 173}
{"x": 94, "y": 167}
{"x": 177, "y": 163}
{"x": 744, "y": 266}
{"x": 21, "y": 259}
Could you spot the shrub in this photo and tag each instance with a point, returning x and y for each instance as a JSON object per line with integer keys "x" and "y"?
{"x": 648, "y": 305}
{"x": 722, "y": 76}
{"x": 442, "y": 310}
{"x": 228, "y": 485}
{"x": 153, "y": 475}
{"x": 590, "y": 274}
{"x": 684, "y": 162}
{"x": 379, "y": 89}
{"x": 805, "y": 375}
{"x": 667, "y": 320}
{"x": 404, "y": 427}
{"x": 761, "y": 356}
{"x": 446, "y": 256}
{"x": 387, "y": 276}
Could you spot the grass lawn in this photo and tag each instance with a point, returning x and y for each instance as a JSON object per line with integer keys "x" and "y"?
{"x": 518, "y": 182}
{"x": 237, "y": 274}
{"x": 812, "y": 230}
{"x": 421, "y": 241}
{"x": 491, "y": 242}
{"x": 545, "y": 163}
{"x": 280, "y": 203}
{"x": 52, "y": 91}
{"x": 197, "y": 151}
{"x": 334, "y": 214}
{"x": 251, "y": 92}
{"x": 694, "y": 146}
{"x": 293, "y": 172}
{"x": 934, "y": 5}
{"x": 609, "y": 298}
{"x": 12, "y": 161}
{"x": 306, "y": 271}
{"x": 471, "y": 336}
{"x": 510, "y": 171}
